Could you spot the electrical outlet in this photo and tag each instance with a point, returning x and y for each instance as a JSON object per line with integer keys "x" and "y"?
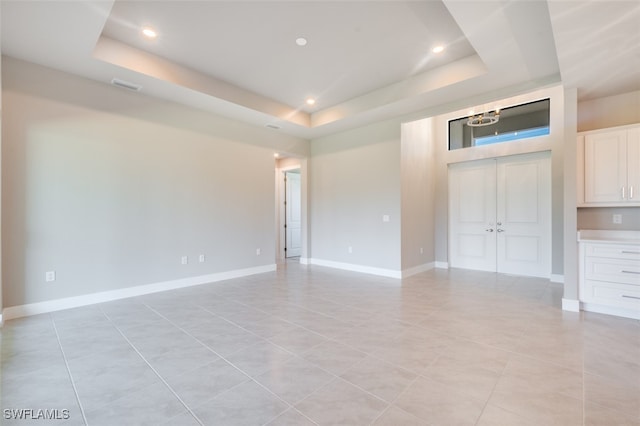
{"x": 184, "y": 260}
{"x": 617, "y": 218}
{"x": 350, "y": 249}
{"x": 201, "y": 258}
{"x": 385, "y": 218}
{"x": 50, "y": 276}
{"x": 421, "y": 250}
{"x": 258, "y": 252}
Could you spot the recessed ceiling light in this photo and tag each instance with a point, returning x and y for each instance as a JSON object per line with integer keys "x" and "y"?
{"x": 310, "y": 101}
{"x": 438, "y": 49}
{"x": 149, "y": 32}
{"x": 301, "y": 41}
{"x": 276, "y": 155}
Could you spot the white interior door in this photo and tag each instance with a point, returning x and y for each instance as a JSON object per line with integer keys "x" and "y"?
{"x": 293, "y": 213}
{"x": 472, "y": 209}
{"x": 500, "y": 215}
{"x": 523, "y": 221}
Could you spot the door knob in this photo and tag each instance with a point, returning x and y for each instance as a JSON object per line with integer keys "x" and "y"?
{"x": 489, "y": 229}
{"x": 499, "y": 230}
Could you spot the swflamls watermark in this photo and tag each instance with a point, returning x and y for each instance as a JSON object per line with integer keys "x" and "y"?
{"x": 35, "y": 414}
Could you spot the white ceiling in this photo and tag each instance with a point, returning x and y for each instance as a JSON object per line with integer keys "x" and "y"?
{"x": 364, "y": 61}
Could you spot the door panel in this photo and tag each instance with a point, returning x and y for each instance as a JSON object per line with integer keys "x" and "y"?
{"x": 520, "y": 192}
{"x": 293, "y": 215}
{"x": 472, "y": 208}
{"x": 524, "y": 215}
{"x": 521, "y": 248}
{"x": 605, "y": 168}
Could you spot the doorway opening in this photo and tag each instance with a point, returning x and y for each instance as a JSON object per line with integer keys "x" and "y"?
{"x": 500, "y": 215}
{"x": 292, "y": 214}
{"x": 290, "y": 209}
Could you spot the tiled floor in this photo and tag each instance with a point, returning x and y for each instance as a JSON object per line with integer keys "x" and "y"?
{"x": 309, "y": 345}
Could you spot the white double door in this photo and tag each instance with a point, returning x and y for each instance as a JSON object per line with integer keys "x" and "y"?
{"x": 500, "y": 215}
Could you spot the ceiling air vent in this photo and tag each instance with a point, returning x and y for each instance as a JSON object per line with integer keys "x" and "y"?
{"x": 126, "y": 85}
{"x": 272, "y": 126}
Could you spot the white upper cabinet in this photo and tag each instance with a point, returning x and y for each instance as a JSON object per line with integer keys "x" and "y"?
{"x": 609, "y": 173}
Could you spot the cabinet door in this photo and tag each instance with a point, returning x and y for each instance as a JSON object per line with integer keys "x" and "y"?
{"x": 633, "y": 165}
{"x": 606, "y": 167}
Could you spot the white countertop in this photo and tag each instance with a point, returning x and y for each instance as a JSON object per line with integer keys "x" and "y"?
{"x": 609, "y": 236}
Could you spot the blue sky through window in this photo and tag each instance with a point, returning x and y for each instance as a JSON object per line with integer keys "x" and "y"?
{"x": 511, "y": 136}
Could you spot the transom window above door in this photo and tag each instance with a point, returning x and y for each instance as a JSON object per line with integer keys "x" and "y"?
{"x": 500, "y": 125}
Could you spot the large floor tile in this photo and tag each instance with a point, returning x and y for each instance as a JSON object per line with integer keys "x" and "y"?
{"x": 298, "y": 340}
{"x": 183, "y": 419}
{"x": 617, "y": 395}
{"x": 258, "y": 358}
{"x": 437, "y": 403}
{"x": 291, "y": 417}
{"x": 294, "y": 380}
{"x": 523, "y": 373}
{"x": 101, "y": 379}
{"x": 45, "y": 389}
{"x": 469, "y": 368}
{"x": 181, "y": 359}
{"x": 333, "y": 357}
{"x": 496, "y": 416}
{"x": 246, "y": 404}
{"x": 151, "y": 406}
{"x": 541, "y": 399}
{"x": 597, "y": 415}
{"x": 197, "y": 386}
{"x": 341, "y": 403}
{"x": 81, "y": 342}
{"x": 23, "y": 362}
{"x": 379, "y": 378}
{"x": 394, "y": 416}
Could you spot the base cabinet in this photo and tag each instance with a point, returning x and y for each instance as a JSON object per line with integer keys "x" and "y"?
{"x": 610, "y": 278}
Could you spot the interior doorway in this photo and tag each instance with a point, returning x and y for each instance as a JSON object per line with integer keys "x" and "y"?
{"x": 289, "y": 208}
{"x": 292, "y": 214}
{"x": 500, "y": 215}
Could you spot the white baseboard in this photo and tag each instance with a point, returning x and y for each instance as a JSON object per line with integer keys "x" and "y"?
{"x": 609, "y": 310}
{"x": 304, "y": 261}
{"x": 417, "y": 269}
{"x": 556, "y": 278}
{"x": 106, "y": 296}
{"x": 441, "y": 265}
{"x": 391, "y": 273}
{"x": 570, "y": 305}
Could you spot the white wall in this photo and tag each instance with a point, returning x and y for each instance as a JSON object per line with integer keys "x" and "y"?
{"x": 354, "y": 181}
{"x": 611, "y": 111}
{"x": 418, "y": 191}
{"x": 1, "y": 281}
{"x": 110, "y": 188}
